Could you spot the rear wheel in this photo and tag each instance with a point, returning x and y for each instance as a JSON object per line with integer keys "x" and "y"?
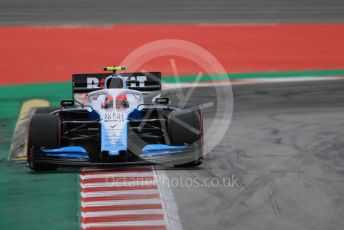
{"x": 44, "y": 131}
{"x": 186, "y": 128}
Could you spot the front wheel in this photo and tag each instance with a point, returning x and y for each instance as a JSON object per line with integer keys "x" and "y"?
{"x": 191, "y": 164}
{"x": 186, "y": 128}
{"x": 46, "y": 110}
{"x": 44, "y": 131}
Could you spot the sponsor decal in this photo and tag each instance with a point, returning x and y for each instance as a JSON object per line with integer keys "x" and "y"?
{"x": 135, "y": 81}
{"x": 114, "y": 116}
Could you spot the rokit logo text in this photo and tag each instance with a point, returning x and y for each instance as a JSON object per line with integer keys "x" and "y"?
{"x": 93, "y": 82}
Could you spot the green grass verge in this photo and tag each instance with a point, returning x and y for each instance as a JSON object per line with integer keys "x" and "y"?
{"x": 30, "y": 200}
{"x": 247, "y": 76}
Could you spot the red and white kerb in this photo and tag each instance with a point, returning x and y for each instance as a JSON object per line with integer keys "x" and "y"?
{"x": 121, "y": 199}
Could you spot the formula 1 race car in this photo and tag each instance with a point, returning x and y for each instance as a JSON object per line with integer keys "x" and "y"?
{"x": 108, "y": 123}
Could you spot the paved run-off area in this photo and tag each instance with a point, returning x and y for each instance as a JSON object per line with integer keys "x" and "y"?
{"x": 51, "y": 54}
{"x": 80, "y": 12}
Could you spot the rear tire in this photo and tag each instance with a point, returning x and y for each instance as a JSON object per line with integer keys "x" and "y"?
{"x": 186, "y": 127}
{"x": 44, "y": 131}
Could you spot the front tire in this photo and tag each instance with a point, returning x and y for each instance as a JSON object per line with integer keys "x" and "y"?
{"x": 44, "y": 131}
{"x": 46, "y": 110}
{"x": 186, "y": 128}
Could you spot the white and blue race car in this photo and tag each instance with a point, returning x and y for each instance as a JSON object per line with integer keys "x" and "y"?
{"x": 108, "y": 123}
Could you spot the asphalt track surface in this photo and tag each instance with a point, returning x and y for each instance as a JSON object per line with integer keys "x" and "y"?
{"x": 285, "y": 147}
{"x": 76, "y": 12}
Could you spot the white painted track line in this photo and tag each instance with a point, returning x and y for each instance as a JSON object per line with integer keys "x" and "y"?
{"x": 120, "y": 192}
{"x": 120, "y": 202}
{"x": 122, "y": 212}
{"x": 112, "y": 175}
{"x": 117, "y": 184}
{"x": 125, "y": 223}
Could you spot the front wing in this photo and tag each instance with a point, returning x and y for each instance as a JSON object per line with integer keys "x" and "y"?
{"x": 152, "y": 154}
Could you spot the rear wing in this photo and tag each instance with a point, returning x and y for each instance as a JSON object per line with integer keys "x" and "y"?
{"x": 141, "y": 81}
